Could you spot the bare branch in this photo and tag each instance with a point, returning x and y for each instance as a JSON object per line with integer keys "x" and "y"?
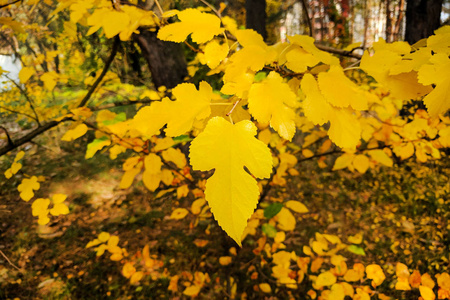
{"x": 7, "y": 259}
{"x": 108, "y": 63}
{"x": 11, "y": 3}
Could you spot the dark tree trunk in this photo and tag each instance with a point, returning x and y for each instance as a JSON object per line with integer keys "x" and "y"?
{"x": 165, "y": 59}
{"x": 422, "y": 19}
{"x": 388, "y": 21}
{"x": 256, "y": 16}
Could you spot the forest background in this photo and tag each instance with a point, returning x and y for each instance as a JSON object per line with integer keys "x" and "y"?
{"x": 114, "y": 115}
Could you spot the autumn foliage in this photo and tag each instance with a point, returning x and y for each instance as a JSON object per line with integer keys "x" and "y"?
{"x": 233, "y": 133}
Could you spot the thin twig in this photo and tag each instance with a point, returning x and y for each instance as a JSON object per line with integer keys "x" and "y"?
{"x": 212, "y": 8}
{"x": 7, "y": 259}
{"x": 17, "y": 112}
{"x": 11, "y": 3}
{"x": 192, "y": 48}
{"x": 108, "y": 63}
{"x": 159, "y": 7}
{"x": 308, "y": 19}
{"x": 25, "y": 94}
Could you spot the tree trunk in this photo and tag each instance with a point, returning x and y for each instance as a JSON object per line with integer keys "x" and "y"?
{"x": 165, "y": 59}
{"x": 422, "y": 19}
{"x": 256, "y": 16}
{"x": 388, "y": 21}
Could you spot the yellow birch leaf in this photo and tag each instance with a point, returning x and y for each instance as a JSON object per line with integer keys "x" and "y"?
{"x": 152, "y": 163}
{"x": 49, "y": 79}
{"x": 179, "y": 213}
{"x": 265, "y": 288}
{"x": 175, "y": 156}
{"x": 75, "y": 133}
{"x": 307, "y": 153}
{"x": 426, "y": 280}
{"x": 415, "y": 279}
{"x": 381, "y": 157}
{"x": 128, "y": 270}
{"x": 167, "y": 177}
{"x": 151, "y": 180}
{"x": 197, "y": 205}
{"x": 225, "y": 260}
{"x": 286, "y": 221}
{"x": 136, "y": 277}
{"x": 232, "y": 193}
{"x": 104, "y": 236}
{"x": 361, "y": 163}
{"x": 128, "y": 177}
{"x": 352, "y": 275}
{"x": 438, "y": 100}
{"x": 296, "y": 206}
{"x": 26, "y": 73}
{"x": 192, "y": 290}
{"x": 270, "y": 101}
{"x": 113, "y": 241}
{"x": 96, "y": 145}
{"x": 426, "y": 293}
{"x": 202, "y": 26}
{"x": 173, "y": 284}
{"x": 325, "y": 279}
{"x": 375, "y": 273}
{"x": 298, "y": 60}
{"x": 355, "y": 239}
{"x": 337, "y": 292}
{"x": 182, "y": 191}
{"x": 343, "y": 161}
{"x": 404, "y": 151}
{"x": 114, "y": 22}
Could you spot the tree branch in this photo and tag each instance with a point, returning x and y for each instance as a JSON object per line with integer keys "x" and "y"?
{"x": 32, "y": 134}
{"x": 10, "y": 142}
{"x": 308, "y": 19}
{"x": 11, "y": 3}
{"x": 108, "y": 63}
{"x": 338, "y": 51}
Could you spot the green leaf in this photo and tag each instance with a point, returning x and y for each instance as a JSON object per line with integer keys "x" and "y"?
{"x": 119, "y": 118}
{"x": 356, "y": 250}
{"x": 269, "y": 230}
{"x": 272, "y": 210}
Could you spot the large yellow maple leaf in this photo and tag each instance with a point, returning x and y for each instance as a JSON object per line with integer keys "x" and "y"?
{"x": 231, "y": 192}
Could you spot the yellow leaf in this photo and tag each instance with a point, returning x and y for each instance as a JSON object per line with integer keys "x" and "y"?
{"x": 232, "y": 193}
{"x": 175, "y": 156}
{"x": 25, "y": 74}
{"x": 201, "y": 243}
{"x": 337, "y": 292}
{"x": 128, "y": 270}
{"x": 203, "y": 27}
{"x": 375, "y": 273}
{"x": 173, "y": 285}
{"x": 214, "y": 53}
{"x": 128, "y": 177}
{"x": 325, "y": 279}
{"x": 361, "y": 163}
{"x": 113, "y": 241}
{"x": 315, "y": 107}
{"x": 182, "y": 191}
{"x": 355, "y": 239}
{"x": 349, "y": 93}
{"x": 104, "y": 236}
{"x": 286, "y": 221}
{"x": 298, "y": 60}
{"x": 381, "y": 157}
{"x": 179, "y": 213}
{"x": 40, "y": 207}
{"x": 426, "y": 293}
{"x": 75, "y": 133}
{"x": 192, "y": 290}
{"x": 59, "y": 209}
{"x": 136, "y": 277}
{"x": 179, "y": 115}
{"x": 426, "y": 280}
{"x": 197, "y": 205}
{"x": 404, "y": 151}
{"x": 270, "y": 101}
{"x": 345, "y": 129}
{"x": 151, "y": 181}
{"x": 95, "y": 146}
{"x": 225, "y": 260}
{"x": 296, "y": 206}
{"x": 438, "y": 101}
{"x": 27, "y": 186}
{"x": 265, "y": 288}
{"x": 343, "y": 161}
{"x": 49, "y": 79}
